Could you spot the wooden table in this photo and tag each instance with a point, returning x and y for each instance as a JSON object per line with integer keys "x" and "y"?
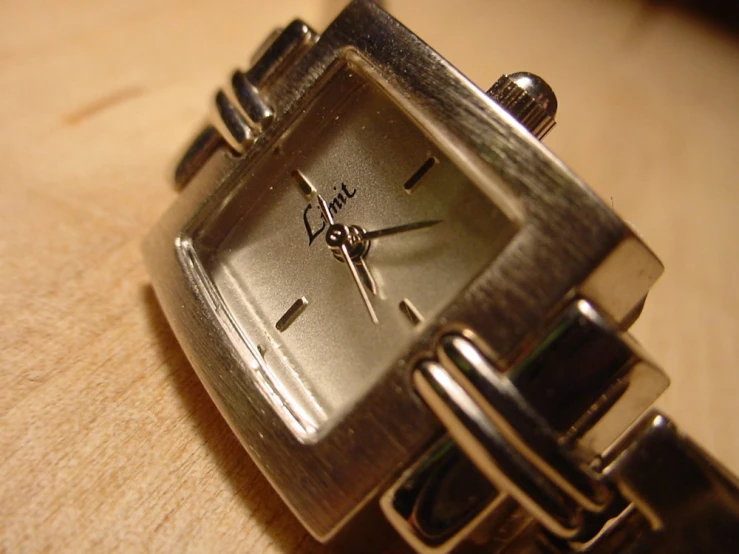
{"x": 108, "y": 441}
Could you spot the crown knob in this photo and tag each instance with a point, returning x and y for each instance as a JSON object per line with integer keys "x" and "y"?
{"x": 529, "y": 99}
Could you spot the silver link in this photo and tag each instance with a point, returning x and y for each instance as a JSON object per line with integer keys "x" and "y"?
{"x": 533, "y": 415}
{"x": 231, "y": 122}
{"x": 588, "y": 380}
{"x": 519, "y": 424}
{"x": 502, "y": 431}
{"x": 281, "y": 50}
{"x": 500, "y": 461}
{"x": 570, "y": 396}
{"x": 689, "y": 499}
{"x": 442, "y": 500}
{"x": 240, "y": 111}
{"x": 654, "y": 491}
{"x": 254, "y": 106}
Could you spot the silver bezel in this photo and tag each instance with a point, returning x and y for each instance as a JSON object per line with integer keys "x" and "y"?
{"x": 566, "y": 233}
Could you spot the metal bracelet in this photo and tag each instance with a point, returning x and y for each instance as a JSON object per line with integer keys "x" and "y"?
{"x": 653, "y": 488}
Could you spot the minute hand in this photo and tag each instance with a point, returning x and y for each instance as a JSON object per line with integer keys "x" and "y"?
{"x": 370, "y": 235}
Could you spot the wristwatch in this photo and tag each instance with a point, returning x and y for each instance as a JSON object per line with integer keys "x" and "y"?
{"x": 414, "y": 316}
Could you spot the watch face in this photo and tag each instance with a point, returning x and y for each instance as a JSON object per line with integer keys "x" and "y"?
{"x": 354, "y": 179}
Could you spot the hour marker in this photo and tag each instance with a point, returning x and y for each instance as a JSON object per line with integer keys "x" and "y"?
{"x": 305, "y": 185}
{"x": 415, "y": 179}
{"x": 410, "y": 311}
{"x": 292, "y": 313}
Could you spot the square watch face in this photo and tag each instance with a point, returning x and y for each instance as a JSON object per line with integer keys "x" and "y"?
{"x": 420, "y": 230}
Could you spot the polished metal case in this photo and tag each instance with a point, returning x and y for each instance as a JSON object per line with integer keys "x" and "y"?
{"x": 570, "y": 245}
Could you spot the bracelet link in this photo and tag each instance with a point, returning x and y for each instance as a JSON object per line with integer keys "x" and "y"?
{"x": 689, "y": 499}
{"x": 648, "y": 489}
{"x": 240, "y": 111}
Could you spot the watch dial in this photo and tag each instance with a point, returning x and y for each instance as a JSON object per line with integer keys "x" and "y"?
{"x": 415, "y": 228}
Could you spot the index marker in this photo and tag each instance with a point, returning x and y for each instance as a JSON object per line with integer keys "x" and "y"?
{"x": 305, "y": 186}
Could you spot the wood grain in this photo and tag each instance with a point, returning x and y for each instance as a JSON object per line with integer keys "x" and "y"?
{"x": 108, "y": 442}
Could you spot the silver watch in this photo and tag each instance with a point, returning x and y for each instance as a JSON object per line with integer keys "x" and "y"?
{"x": 414, "y": 316}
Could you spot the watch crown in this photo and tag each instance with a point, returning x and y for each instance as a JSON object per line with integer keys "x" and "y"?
{"x": 529, "y": 99}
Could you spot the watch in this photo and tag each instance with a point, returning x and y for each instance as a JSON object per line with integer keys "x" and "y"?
{"x": 415, "y": 317}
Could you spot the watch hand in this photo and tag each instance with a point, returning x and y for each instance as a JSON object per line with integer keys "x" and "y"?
{"x": 324, "y": 210}
{"x": 366, "y": 275}
{"x": 340, "y": 243}
{"x": 371, "y": 235}
{"x": 358, "y": 282}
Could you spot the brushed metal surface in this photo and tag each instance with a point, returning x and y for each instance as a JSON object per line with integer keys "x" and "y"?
{"x": 566, "y": 233}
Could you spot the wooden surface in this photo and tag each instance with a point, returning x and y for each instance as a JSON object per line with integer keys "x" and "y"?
{"x": 107, "y": 440}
